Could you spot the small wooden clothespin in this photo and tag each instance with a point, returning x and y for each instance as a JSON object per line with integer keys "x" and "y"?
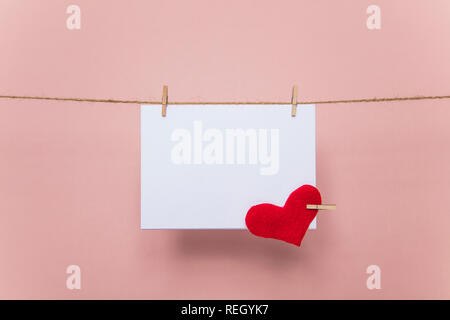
{"x": 164, "y": 101}
{"x": 294, "y": 101}
{"x": 321, "y": 206}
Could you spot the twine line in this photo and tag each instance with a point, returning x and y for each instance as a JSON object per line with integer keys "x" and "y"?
{"x": 367, "y": 100}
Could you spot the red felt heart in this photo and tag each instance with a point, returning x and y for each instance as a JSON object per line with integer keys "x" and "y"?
{"x": 288, "y": 223}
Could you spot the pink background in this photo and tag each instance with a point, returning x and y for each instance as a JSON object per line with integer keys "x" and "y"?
{"x": 69, "y": 172}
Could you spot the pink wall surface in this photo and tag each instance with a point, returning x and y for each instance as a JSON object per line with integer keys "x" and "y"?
{"x": 69, "y": 172}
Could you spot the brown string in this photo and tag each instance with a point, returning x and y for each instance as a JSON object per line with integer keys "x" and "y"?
{"x": 226, "y": 102}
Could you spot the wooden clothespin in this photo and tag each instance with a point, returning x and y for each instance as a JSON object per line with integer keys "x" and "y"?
{"x": 294, "y": 101}
{"x": 321, "y": 206}
{"x": 164, "y": 100}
